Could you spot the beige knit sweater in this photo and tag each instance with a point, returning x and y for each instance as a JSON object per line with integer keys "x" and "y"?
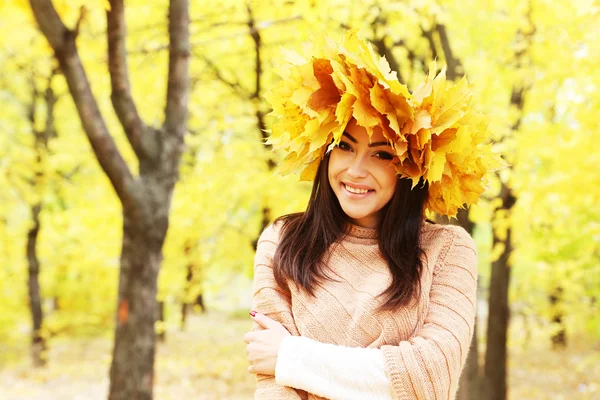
{"x": 424, "y": 347}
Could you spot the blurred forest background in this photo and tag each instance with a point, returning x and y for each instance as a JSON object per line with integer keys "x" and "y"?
{"x": 69, "y": 331}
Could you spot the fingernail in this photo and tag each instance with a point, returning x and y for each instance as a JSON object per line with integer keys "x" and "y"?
{"x": 252, "y": 313}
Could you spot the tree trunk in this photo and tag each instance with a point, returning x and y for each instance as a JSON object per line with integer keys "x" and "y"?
{"x": 38, "y": 343}
{"x": 191, "y": 289}
{"x": 189, "y": 277}
{"x": 559, "y": 339}
{"x": 266, "y": 219}
{"x": 41, "y": 138}
{"x": 186, "y": 308}
{"x": 200, "y": 303}
{"x": 162, "y": 334}
{"x": 499, "y": 310}
{"x": 470, "y": 380}
{"x": 132, "y": 368}
{"x": 496, "y": 357}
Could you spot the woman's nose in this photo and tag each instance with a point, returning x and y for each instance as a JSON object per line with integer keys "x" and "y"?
{"x": 357, "y": 169}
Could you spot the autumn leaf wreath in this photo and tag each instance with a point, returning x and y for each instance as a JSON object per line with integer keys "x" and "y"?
{"x": 437, "y": 134}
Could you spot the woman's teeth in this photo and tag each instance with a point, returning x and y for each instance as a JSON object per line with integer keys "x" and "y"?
{"x": 354, "y": 190}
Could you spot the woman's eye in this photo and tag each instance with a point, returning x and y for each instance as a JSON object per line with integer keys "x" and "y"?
{"x": 344, "y": 146}
{"x": 384, "y": 155}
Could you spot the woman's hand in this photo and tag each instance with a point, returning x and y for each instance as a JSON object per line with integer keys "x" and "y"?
{"x": 263, "y": 346}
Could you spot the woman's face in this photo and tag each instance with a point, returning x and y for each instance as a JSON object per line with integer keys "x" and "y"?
{"x": 361, "y": 175}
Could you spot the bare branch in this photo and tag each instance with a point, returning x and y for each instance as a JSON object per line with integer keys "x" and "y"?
{"x": 119, "y": 78}
{"x": 31, "y": 114}
{"x": 82, "y": 15}
{"x": 235, "y": 86}
{"x": 387, "y": 53}
{"x": 257, "y": 51}
{"x": 260, "y": 115}
{"x": 428, "y": 34}
{"x": 220, "y": 38}
{"x": 50, "y": 99}
{"x": 69, "y": 175}
{"x": 193, "y": 21}
{"x": 62, "y": 40}
{"x": 49, "y": 22}
{"x": 379, "y": 42}
{"x": 455, "y": 68}
{"x": 179, "y": 56}
{"x": 410, "y": 54}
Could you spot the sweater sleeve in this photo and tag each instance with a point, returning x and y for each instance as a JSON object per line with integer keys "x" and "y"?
{"x": 427, "y": 366}
{"x": 271, "y": 300}
{"x": 333, "y": 372}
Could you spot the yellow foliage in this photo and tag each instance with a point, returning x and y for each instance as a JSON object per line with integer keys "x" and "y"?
{"x": 225, "y": 182}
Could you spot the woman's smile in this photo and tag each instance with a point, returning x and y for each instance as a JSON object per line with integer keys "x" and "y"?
{"x": 356, "y": 191}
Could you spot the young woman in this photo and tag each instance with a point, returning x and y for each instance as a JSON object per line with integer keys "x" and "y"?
{"x": 360, "y": 297}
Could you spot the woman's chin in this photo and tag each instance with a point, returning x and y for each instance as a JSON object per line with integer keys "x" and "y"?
{"x": 358, "y": 218}
{"x": 354, "y": 214}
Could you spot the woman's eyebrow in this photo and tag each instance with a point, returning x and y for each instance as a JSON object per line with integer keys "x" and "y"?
{"x": 374, "y": 144}
{"x": 352, "y": 139}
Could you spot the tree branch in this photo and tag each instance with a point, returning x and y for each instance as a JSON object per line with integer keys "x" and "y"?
{"x": 32, "y": 106}
{"x": 234, "y": 85}
{"x": 255, "y": 96}
{"x": 50, "y": 100}
{"x": 257, "y": 51}
{"x": 428, "y": 34}
{"x": 410, "y": 54}
{"x": 62, "y": 40}
{"x": 122, "y": 101}
{"x": 49, "y": 22}
{"x": 179, "y": 55}
{"x": 220, "y": 38}
{"x": 455, "y": 68}
{"x": 379, "y": 42}
{"x": 82, "y": 15}
{"x": 387, "y": 53}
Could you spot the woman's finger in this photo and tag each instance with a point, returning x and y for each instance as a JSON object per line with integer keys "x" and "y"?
{"x": 248, "y": 337}
{"x": 265, "y": 322}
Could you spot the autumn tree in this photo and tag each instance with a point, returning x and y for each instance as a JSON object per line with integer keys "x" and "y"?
{"x": 42, "y": 137}
{"x": 37, "y": 107}
{"x": 145, "y": 198}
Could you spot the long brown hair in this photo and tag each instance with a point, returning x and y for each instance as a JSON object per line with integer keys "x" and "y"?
{"x": 306, "y": 237}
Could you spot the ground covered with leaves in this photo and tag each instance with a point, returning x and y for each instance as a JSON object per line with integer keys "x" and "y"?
{"x": 208, "y": 361}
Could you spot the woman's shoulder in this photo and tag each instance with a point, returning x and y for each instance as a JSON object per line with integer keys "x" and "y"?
{"x": 272, "y": 233}
{"x": 450, "y": 245}
{"x": 447, "y": 237}
{"x": 268, "y": 241}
